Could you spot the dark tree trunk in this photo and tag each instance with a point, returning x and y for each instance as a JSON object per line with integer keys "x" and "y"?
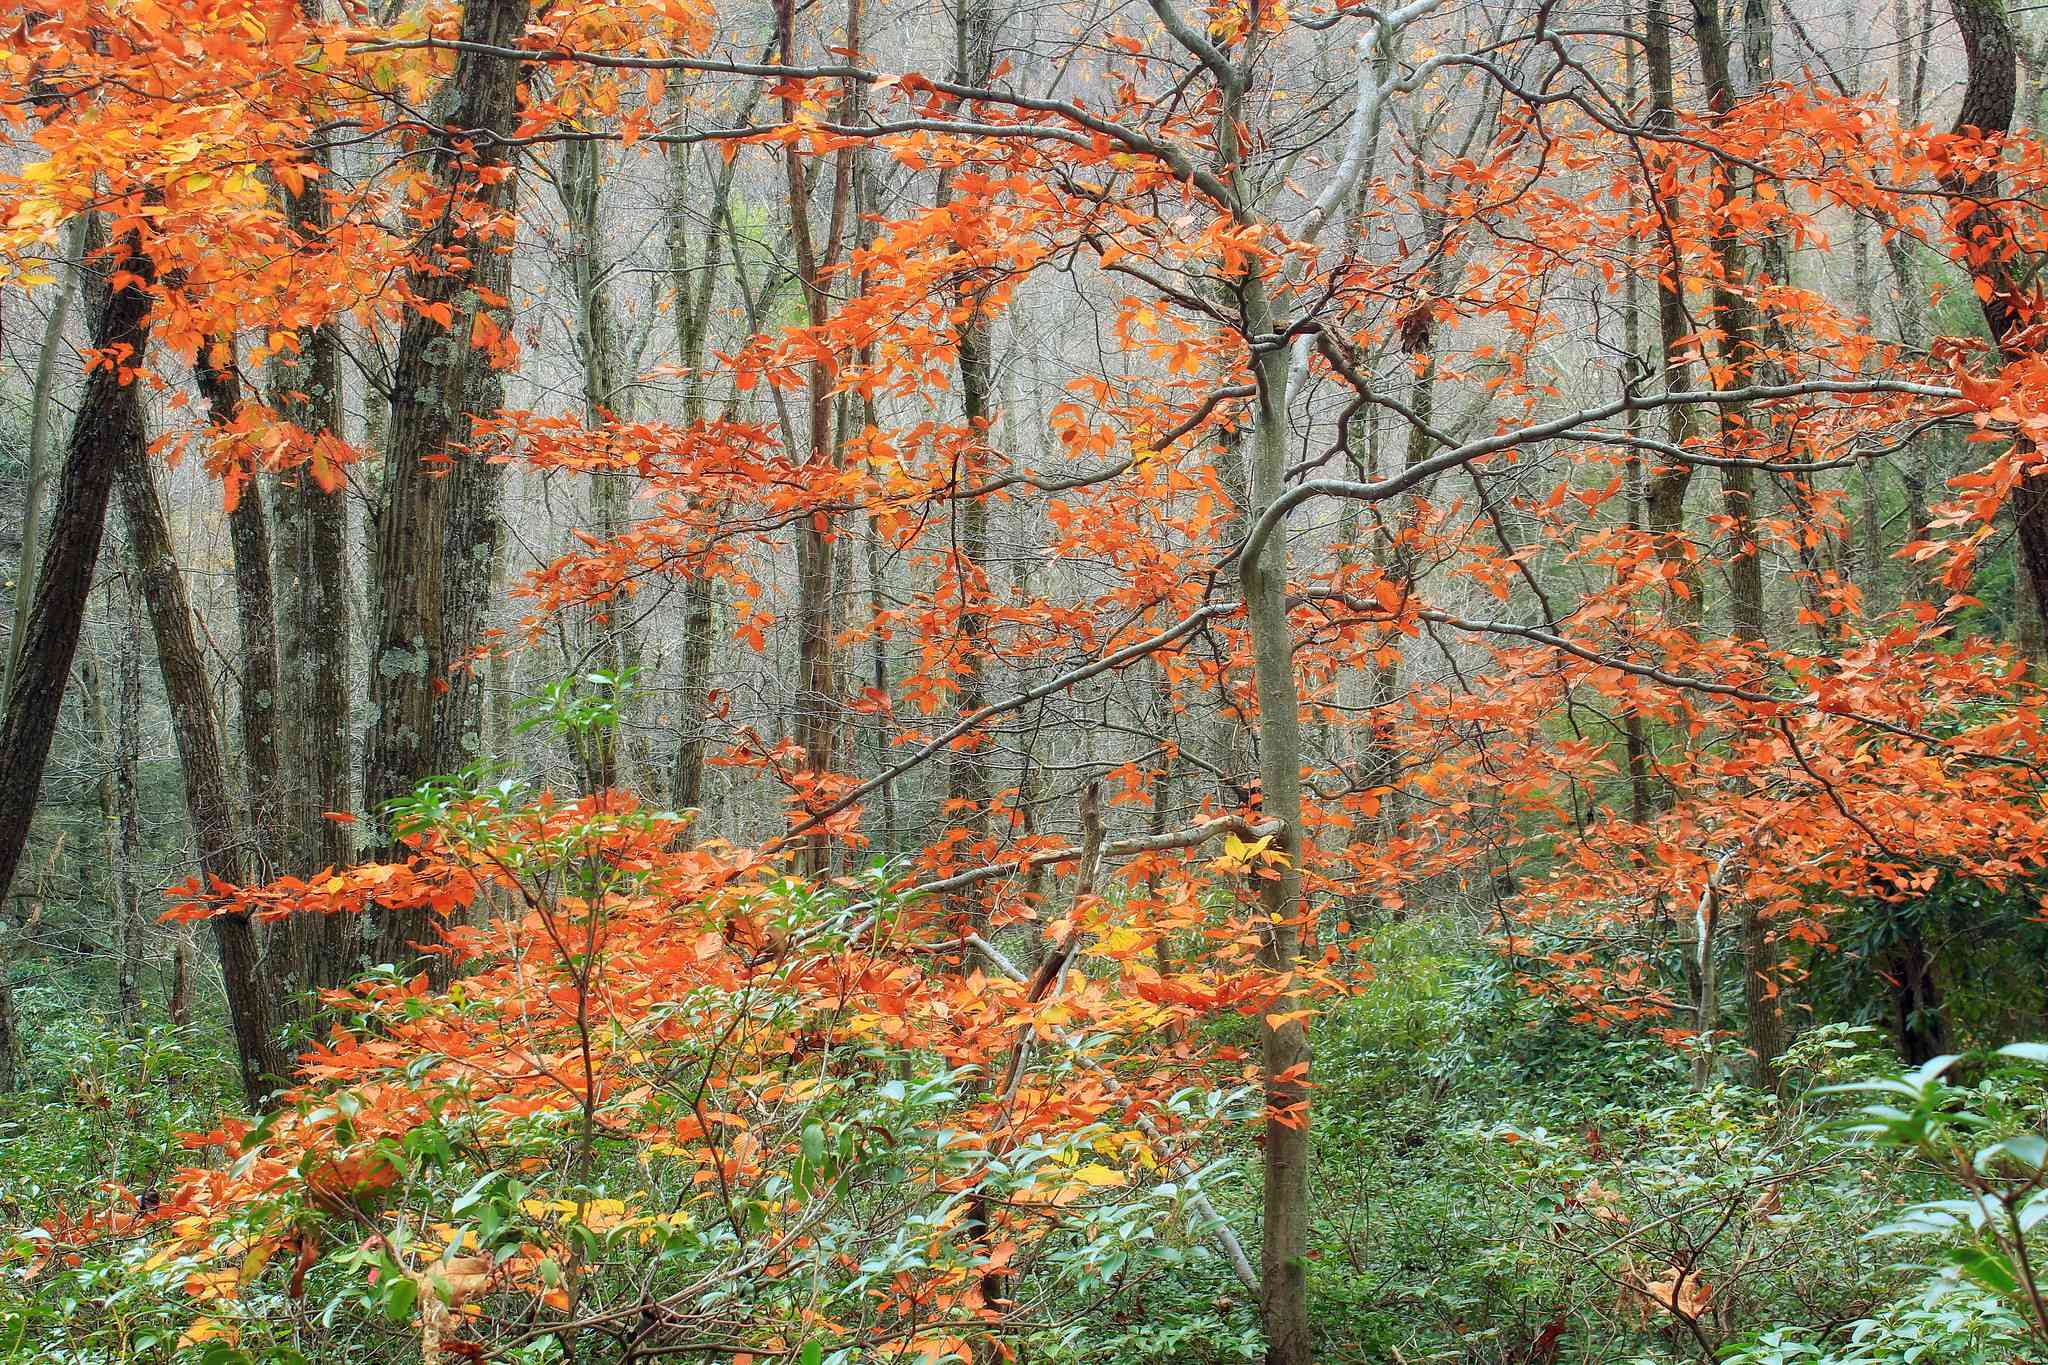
{"x": 314, "y": 566}
{"x": 967, "y": 778}
{"x": 1917, "y": 1015}
{"x": 1664, "y": 500}
{"x": 178, "y": 1005}
{"x": 208, "y": 790}
{"x": 109, "y": 420}
{"x": 314, "y": 572}
{"x": 10, "y": 1028}
{"x": 1990, "y": 96}
{"x": 436, "y": 518}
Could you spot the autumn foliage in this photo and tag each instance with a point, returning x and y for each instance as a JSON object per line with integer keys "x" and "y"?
{"x": 903, "y": 1094}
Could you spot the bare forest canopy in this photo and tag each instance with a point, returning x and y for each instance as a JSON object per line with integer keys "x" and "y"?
{"x": 1024, "y": 680}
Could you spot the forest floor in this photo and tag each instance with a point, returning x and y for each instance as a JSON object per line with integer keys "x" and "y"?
{"x": 1495, "y": 1184}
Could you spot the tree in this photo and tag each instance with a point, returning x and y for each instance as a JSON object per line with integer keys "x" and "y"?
{"x": 439, "y": 508}
{"x": 109, "y": 419}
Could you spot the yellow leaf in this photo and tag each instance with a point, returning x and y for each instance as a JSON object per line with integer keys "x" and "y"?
{"x": 1099, "y": 1175}
{"x": 1119, "y": 942}
{"x": 210, "y": 1329}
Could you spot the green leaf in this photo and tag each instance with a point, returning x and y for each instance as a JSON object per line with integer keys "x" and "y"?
{"x": 2026, "y": 1149}
{"x": 400, "y": 1297}
{"x": 1986, "y": 1268}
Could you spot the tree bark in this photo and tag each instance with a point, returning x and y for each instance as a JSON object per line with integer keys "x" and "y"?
{"x": 1284, "y": 1047}
{"x": 208, "y": 799}
{"x": 1664, "y": 500}
{"x": 255, "y": 613}
{"x": 693, "y": 301}
{"x": 42, "y": 398}
{"x": 606, "y": 396}
{"x": 108, "y": 421}
{"x": 316, "y": 575}
{"x": 431, "y": 586}
{"x": 118, "y": 728}
{"x": 967, "y": 776}
{"x": 817, "y": 699}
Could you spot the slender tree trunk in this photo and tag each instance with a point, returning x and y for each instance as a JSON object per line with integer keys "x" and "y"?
{"x": 1640, "y": 757}
{"x": 10, "y": 1026}
{"x": 817, "y": 700}
{"x": 117, "y": 728}
{"x": 579, "y": 182}
{"x": 1283, "y": 1296}
{"x": 695, "y": 285}
{"x": 42, "y": 398}
{"x": 256, "y": 615}
{"x": 108, "y": 421}
{"x": 178, "y": 1004}
{"x": 967, "y": 776}
{"x": 1742, "y": 363}
{"x": 208, "y": 791}
{"x": 1664, "y": 501}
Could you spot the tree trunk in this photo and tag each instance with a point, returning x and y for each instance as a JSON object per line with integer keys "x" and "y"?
{"x": 606, "y": 396}
{"x": 1283, "y": 1294}
{"x": 693, "y": 300}
{"x": 208, "y": 800}
{"x": 1990, "y": 96}
{"x": 108, "y": 421}
{"x": 178, "y": 1004}
{"x": 118, "y": 730}
{"x": 42, "y": 398}
{"x": 817, "y": 692}
{"x": 431, "y": 586}
{"x": 10, "y": 1025}
{"x": 315, "y": 572}
{"x": 1664, "y": 501}
{"x": 256, "y": 615}
{"x": 1760, "y": 1001}
{"x": 967, "y": 775}
{"x": 1917, "y": 1015}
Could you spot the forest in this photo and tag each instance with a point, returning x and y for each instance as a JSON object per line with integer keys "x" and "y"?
{"x": 1024, "y": 682}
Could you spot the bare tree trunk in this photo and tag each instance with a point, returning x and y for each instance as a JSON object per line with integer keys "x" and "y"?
{"x": 178, "y": 1005}
{"x": 314, "y": 569}
{"x": 693, "y": 300}
{"x": 1664, "y": 501}
{"x": 606, "y": 395}
{"x": 315, "y": 572}
{"x": 42, "y": 398}
{"x": 430, "y": 583}
{"x": 1283, "y": 1295}
{"x": 967, "y": 776}
{"x": 817, "y": 700}
{"x": 10, "y": 1025}
{"x": 118, "y": 730}
{"x": 220, "y": 385}
{"x": 108, "y": 422}
{"x": 1741, "y": 361}
{"x": 1760, "y": 1001}
{"x": 208, "y": 800}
